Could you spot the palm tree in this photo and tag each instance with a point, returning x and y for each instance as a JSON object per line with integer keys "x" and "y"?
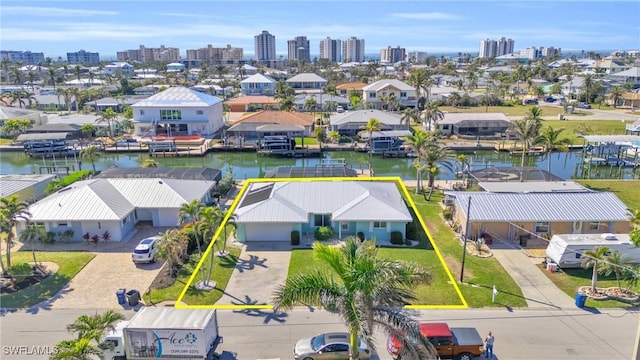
{"x": 191, "y": 211}
{"x": 32, "y": 234}
{"x": 210, "y": 220}
{"x": 616, "y": 93}
{"x": 463, "y": 160}
{"x": 93, "y": 327}
{"x": 88, "y": 130}
{"x": 372, "y": 126}
{"x": 417, "y": 142}
{"x": 173, "y": 249}
{"x": 436, "y": 156}
{"x": 432, "y": 114}
{"x": 527, "y": 130}
{"x": 595, "y": 258}
{"x": 109, "y": 116}
{"x": 80, "y": 349}
{"x": 286, "y": 103}
{"x": 92, "y": 153}
{"x": 550, "y": 139}
{"x": 409, "y": 116}
{"x": 148, "y": 163}
{"x": 11, "y": 210}
{"x": 615, "y": 264}
{"x": 366, "y": 290}
{"x": 320, "y": 134}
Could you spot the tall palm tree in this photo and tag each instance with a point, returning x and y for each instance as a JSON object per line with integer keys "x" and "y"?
{"x": 32, "y": 234}
{"x": 527, "y": 130}
{"x": 409, "y": 116}
{"x": 80, "y": 349}
{"x": 210, "y": 220}
{"x": 110, "y": 117}
{"x": 615, "y": 264}
{"x": 432, "y": 115}
{"x": 173, "y": 249}
{"x": 616, "y": 93}
{"x": 286, "y": 103}
{"x": 550, "y": 139}
{"x": 595, "y": 258}
{"x": 372, "y": 126}
{"x": 91, "y": 153}
{"x": 436, "y": 156}
{"x": 417, "y": 142}
{"x": 310, "y": 105}
{"x": 366, "y": 290}
{"x": 11, "y": 210}
{"x": 93, "y": 327}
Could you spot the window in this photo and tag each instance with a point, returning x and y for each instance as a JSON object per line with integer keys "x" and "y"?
{"x": 542, "y": 227}
{"x": 199, "y": 112}
{"x": 403, "y": 94}
{"x": 594, "y": 225}
{"x": 63, "y": 224}
{"x": 141, "y": 112}
{"x": 345, "y": 226}
{"x": 170, "y": 115}
{"x": 379, "y": 224}
{"x": 372, "y": 95}
{"x": 322, "y": 220}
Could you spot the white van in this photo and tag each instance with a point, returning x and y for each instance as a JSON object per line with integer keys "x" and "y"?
{"x": 340, "y": 109}
{"x": 566, "y": 249}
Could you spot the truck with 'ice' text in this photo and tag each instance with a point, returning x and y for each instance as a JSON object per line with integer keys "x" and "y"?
{"x": 164, "y": 333}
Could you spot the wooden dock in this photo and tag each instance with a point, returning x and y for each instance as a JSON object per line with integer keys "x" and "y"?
{"x": 295, "y": 153}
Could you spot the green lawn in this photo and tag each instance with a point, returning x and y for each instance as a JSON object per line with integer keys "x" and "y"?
{"x": 307, "y": 141}
{"x": 625, "y": 190}
{"x": 5, "y": 141}
{"x": 69, "y": 263}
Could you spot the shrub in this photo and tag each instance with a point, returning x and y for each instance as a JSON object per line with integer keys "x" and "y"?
{"x": 360, "y": 235}
{"x": 225, "y": 183}
{"x": 396, "y": 238}
{"x": 447, "y": 214}
{"x": 323, "y": 233}
{"x": 106, "y": 236}
{"x": 295, "y": 237}
{"x": 49, "y": 237}
{"x": 20, "y": 270}
{"x": 58, "y": 184}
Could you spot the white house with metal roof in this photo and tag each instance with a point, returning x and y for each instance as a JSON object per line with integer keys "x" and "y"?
{"x": 116, "y": 205}
{"x": 270, "y": 211}
{"x": 376, "y": 93}
{"x": 473, "y": 124}
{"x": 507, "y": 215}
{"x": 307, "y": 82}
{"x": 350, "y": 123}
{"x": 258, "y": 84}
{"x": 178, "y": 111}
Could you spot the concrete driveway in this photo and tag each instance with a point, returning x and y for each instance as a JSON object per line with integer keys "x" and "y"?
{"x": 95, "y": 286}
{"x": 260, "y": 269}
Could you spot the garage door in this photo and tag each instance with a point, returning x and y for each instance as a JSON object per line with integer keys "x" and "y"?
{"x": 268, "y": 232}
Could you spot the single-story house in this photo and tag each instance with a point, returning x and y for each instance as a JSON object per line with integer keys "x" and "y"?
{"x": 324, "y": 102}
{"x": 486, "y": 125}
{"x": 8, "y": 112}
{"x": 307, "y": 82}
{"x": 181, "y": 173}
{"x": 252, "y": 102}
{"x": 178, "y": 111}
{"x": 116, "y": 105}
{"x": 350, "y": 88}
{"x": 258, "y": 84}
{"x": 531, "y": 186}
{"x": 375, "y": 93}
{"x": 28, "y": 188}
{"x": 116, "y": 205}
{"x": 270, "y": 211}
{"x": 253, "y": 126}
{"x": 53, "y": 102}
{"x": 352, "y": 122}
{"x": 72, "y": 130}
{"x": 505, "y": 216}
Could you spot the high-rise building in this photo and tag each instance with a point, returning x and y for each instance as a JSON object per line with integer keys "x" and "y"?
{"x": 493, "y": 48}
{"x": 298, "y": 49}
{"x": 83, "y": 57}
{"x": 416, "y": 56}
{"x": 145, "y": 54}
{"x": 531, "y": 53}
{"x": 26, "y": 57}
{"x": 353, "y": 50}
{"x": 392, "y": 55}
{"x": 211, "y": 55}
{"x": 265, "y": 46}
{"x": 550, "y": 51}
{"x": 331, "y": 49}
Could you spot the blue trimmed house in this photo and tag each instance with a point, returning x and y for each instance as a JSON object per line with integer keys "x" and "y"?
{"x": 270, "y": 211}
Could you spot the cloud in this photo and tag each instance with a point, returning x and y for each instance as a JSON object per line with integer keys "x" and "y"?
{"x": 427, "y": 16}
{"x": 53, "y": 12}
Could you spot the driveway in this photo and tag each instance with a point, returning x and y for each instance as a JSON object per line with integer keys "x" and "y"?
{"x": 95, "y": 286}
{"x": 260, "y": 269}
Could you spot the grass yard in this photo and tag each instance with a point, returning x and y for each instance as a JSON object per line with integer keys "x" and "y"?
{"x": 307, "y": 141}
{"x": 5, "y": 141}
{"x": 69, "y": 264}
{"x": 517, "y": 110}
{"x": 625, "y": 190}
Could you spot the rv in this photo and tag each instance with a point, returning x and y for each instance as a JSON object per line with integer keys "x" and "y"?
{"x": 566, "y": 249}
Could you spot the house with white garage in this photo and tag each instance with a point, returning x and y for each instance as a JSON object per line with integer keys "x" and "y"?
{"x": 178, "y": 111}
{"x": 116, "y": 205}
{"x": 270, "y": 211}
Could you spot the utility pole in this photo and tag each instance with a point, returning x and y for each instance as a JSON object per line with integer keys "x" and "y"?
{"x": 466, "y": 235}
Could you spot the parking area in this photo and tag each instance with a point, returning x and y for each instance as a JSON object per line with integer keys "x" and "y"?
{"x": 95, "y": 286}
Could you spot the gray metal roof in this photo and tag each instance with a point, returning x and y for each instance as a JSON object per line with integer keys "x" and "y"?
{"x": 363, "y": 116}
{"x": 163, "y": 172}
{"x": 389, "y": 133}
{"x": 532, "y": 186}
{"x": 454, "y": 118}
{"x": 292, "y": 202}
{"x": 278, "y": 127}
{"x": 611, "y": 138}
{"x": 258, "y": 78}
{"x": 11, "y": 184}
{"x": 7, "y": 112}
{"x": 532, "y": 207}
{"x": 43, "y": 136}
{"x": 312, "y": 171}
{"x": 384, "y": 83}
{"x": 57, "y": 127}
{"x": 179, "y": 96}
{"x": 306, "y": 77}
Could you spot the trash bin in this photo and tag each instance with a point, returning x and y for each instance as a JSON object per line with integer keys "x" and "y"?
{"x": 120, "y": 294}
{"x": 569, "y": 109}
{"x": 133, "y": 296}
{"x": 523, "y": 240}
{"x": 581, "y": 299}
{"x": 560, "y": 117}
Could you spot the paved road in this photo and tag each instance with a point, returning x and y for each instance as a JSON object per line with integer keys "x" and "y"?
{"x": 520, "y": 334}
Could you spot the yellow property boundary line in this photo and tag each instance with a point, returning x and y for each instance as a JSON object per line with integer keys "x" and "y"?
{"x": 233, "y": 206}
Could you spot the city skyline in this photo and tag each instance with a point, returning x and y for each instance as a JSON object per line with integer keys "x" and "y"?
{"x": 58, "y": 27}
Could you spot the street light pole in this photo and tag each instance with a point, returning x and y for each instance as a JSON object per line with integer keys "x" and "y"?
{"x": 466, "y": 234}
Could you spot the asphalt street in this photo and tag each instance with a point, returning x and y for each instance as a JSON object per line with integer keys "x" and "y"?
{"x": 259, "y": 334}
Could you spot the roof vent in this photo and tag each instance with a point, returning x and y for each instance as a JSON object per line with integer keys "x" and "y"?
{"x": 608, "y": 236}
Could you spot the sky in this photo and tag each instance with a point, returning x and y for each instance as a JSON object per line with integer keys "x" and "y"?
{"x": 56, "y": 27}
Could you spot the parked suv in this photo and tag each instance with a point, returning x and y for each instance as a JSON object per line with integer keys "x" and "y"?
{"x": 583, "y": 105}
{"x": 146, "y": 250}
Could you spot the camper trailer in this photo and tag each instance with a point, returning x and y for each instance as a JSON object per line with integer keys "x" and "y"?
{"x": 566, "y": 249}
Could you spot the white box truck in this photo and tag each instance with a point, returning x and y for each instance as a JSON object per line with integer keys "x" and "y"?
{"x": 566, "y": 249}
{"x": 164, "y": 333}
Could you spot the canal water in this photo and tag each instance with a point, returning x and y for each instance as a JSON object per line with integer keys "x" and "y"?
{"x": 244, "y": 165}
